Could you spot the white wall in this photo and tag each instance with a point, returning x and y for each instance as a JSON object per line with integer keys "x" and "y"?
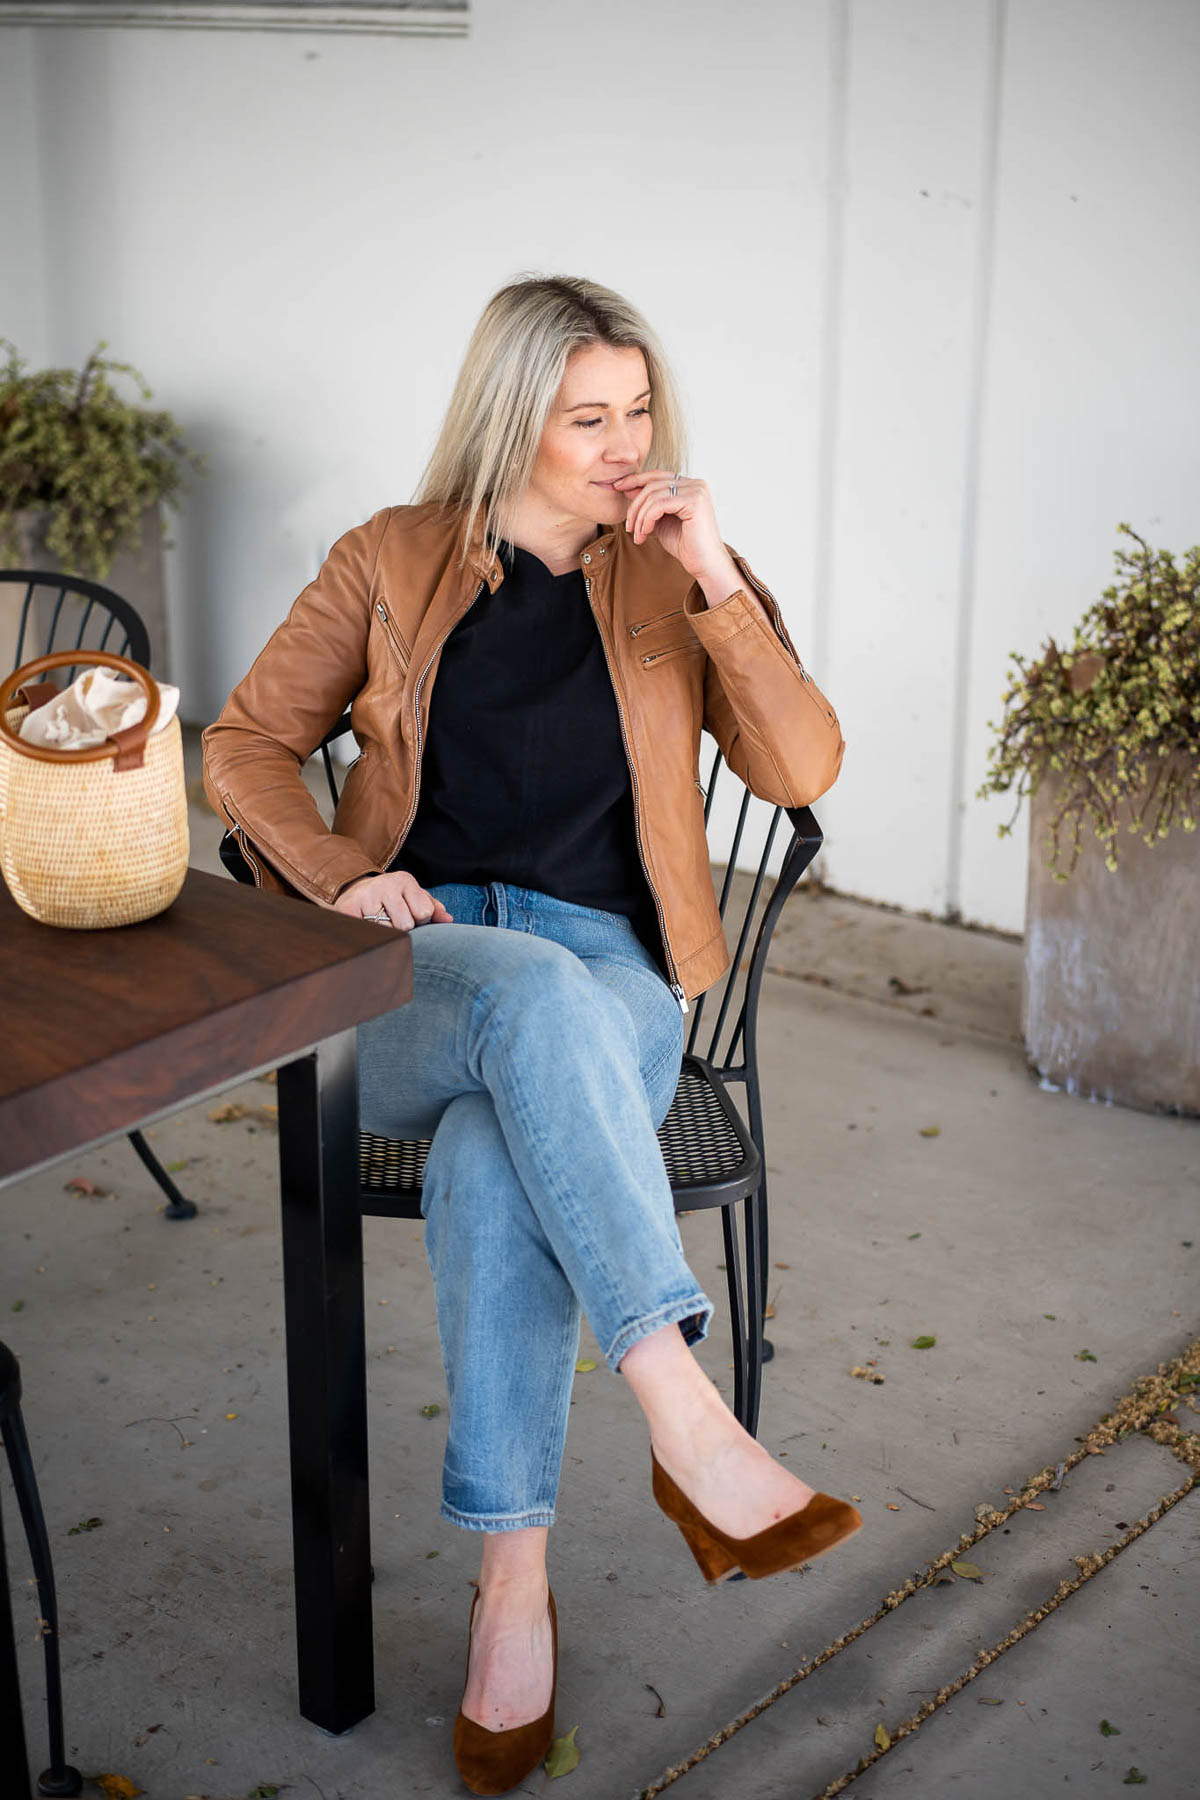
{"x": 23, "y": 214}
{"x": 928, "y": 269}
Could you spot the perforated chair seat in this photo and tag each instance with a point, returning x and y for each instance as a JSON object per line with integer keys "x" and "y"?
{"x": 709, "y": 1155}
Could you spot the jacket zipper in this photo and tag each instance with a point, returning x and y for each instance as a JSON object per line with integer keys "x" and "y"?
{"x": 412, "y": 811}
{"x": 676, "y": 612}
{"x": 393, "y": 636}
{"x": 675, "y": 986}
{"x": 675, "y": 650}
{"x": 248, "y": 854}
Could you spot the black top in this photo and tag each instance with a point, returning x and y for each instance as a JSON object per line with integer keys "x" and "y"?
{"x": 524, "y": 777}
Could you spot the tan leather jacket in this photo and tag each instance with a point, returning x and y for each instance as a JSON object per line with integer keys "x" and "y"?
{"x": 367, "y": 634}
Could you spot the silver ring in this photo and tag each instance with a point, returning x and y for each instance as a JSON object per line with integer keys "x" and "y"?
{"x": 383, "y": 917}
{"x": 674, "y": 480}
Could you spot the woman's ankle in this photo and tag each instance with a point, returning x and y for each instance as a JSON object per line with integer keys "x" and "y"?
{"x": 512, "y": 1570}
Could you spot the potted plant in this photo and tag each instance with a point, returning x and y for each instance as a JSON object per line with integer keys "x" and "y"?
{"x": 1105, "y": 738}
{"x": 83, "y": 474}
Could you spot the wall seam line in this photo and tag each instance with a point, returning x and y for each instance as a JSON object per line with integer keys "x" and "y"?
{"x": 968, "y": 560}
{"x": 829, "y": 390}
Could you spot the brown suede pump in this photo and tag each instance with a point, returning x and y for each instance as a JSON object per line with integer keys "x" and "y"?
{"x": 816, "y": 1528}
{"x": 493, "y": 1762}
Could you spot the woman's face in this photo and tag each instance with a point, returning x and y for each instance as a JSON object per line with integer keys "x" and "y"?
{"x": 598, "y": 430}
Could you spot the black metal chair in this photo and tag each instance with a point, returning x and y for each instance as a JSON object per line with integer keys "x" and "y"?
{"x": 714, "y": 1156}
{"x": 60, "y": 1777}
{"x": 61, "y": 612}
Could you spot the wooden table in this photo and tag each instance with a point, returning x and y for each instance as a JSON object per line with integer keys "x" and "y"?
{"x": 107, "y": 1031}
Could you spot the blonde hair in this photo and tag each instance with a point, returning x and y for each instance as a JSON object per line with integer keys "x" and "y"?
{"x": 511, "y": 373}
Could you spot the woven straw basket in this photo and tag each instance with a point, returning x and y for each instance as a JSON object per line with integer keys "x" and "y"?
{"x": 92, "y": 837}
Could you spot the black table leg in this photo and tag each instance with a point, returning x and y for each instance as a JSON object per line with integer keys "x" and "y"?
{"x": 14, "y": 1762}
{"x": 326, "y": 1370}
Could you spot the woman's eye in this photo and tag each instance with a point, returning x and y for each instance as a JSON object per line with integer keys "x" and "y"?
{"x": 643, "y": 412}
{"x": 588, "y": 423}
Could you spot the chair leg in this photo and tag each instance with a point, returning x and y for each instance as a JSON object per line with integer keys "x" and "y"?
{"x": 14, "y": 1761}
{"x": 756, "y": 1305}
{"x": 737, "y": 1312}
{"x": 177, "y": 1206}
{"x": 60, "y": 1778}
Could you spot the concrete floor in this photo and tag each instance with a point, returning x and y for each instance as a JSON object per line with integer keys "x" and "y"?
{"x": 1032, "y": 1227}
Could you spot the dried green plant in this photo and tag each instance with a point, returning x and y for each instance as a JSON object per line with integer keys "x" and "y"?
{"x": 1116, "y": 716}
{"x": 71, "y": 445}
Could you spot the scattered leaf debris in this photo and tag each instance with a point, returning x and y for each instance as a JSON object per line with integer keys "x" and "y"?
{"x": 924, "y": 1343}
{"x": 431, "y": 1411}
{"x": 1108, "y": 1730}
{"x": 84, "y": 1525}
{"x": 968, "y": 1570}
{"x": 585, "y": 1365}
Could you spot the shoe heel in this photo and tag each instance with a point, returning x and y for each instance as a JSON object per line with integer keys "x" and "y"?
{"x": 714, "y": 1561}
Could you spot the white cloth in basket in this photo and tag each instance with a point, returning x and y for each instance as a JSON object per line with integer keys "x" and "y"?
{"x": 92, "y": 708}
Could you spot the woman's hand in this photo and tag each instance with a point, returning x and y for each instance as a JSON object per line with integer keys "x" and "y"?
{"x": 685, "y": 524}
{"x": 398, "y": 897}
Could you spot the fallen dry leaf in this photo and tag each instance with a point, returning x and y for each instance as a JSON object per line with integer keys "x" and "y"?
{"x": 882, "y": 1740}
{"x": 267, "y": 1114}
{"x": 116, "y": 1787}
{"x": 872, "y": 1375}
{"x": 931, "y": 1131}
{"x": 79, "y": 1184}
{"x": 968, "y": 1570}
{"x": 563, "y": 1755}
{"x": 584, "y": 1366}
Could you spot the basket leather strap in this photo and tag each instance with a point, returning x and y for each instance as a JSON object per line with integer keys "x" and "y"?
{"x": 36, "y": 693}
{"x": 131, "y": 747}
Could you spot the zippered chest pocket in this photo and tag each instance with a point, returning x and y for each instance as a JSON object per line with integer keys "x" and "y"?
{"x": 662, "y": 637}
{"x": 382, "y": 620}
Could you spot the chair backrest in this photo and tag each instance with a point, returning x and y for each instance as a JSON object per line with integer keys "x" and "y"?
{"x": 749, "y": 910}
{"x": 66, "y": 612}
{"x": 724, "y": 1026}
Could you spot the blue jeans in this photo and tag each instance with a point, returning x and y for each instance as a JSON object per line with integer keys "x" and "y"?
{"x": 540, "y": 1058}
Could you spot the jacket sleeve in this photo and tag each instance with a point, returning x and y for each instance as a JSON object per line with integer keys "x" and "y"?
{"x": 776, "y": 729}
{"x": 298, "y": 688}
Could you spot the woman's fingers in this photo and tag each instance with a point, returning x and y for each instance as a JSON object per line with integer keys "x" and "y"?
{"x": 396, "y": 899}
{"x": 654, "y": 503}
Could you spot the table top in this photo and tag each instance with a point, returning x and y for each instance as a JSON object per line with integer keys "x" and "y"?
{"x": 104, "y": 1030}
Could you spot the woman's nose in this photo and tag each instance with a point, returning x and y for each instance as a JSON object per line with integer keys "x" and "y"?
{"x": 621, "y": 446}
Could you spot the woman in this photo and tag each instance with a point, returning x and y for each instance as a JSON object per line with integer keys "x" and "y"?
{"x": 529, "y": 655}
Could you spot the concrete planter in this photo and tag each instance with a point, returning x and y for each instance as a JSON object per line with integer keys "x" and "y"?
{"x": 1111, "y": 992}
{"x": 136, "y": 574}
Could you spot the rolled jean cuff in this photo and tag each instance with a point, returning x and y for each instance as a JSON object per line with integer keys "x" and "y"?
{"x": 522, "y": 1521}
{"x": 691, "y": 1314}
